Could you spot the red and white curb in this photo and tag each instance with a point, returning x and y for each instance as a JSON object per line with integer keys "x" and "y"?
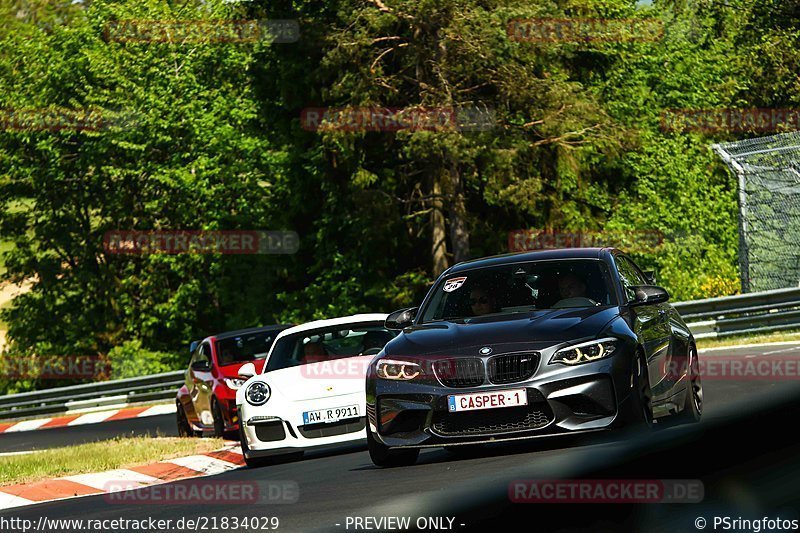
{"x": 79, "y": 419}
{"x": 135, "y": 477}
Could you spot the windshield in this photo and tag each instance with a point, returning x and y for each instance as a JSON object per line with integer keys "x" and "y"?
{"x": 245, "y": 347}
{"x": 329, "y": 343}
{"x": 520, "y": 287}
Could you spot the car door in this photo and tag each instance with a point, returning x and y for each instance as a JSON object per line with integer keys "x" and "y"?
{"x": 200, "y": 381}
{"x": 651, "y": 323}
{"x": 677, "y": 335}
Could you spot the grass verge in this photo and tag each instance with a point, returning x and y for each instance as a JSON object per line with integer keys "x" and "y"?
{"x": 120, "y": 452}
{"x": 733, "y": 340}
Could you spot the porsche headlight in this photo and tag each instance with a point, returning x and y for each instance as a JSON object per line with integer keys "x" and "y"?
{"x": 397, "y": 370}
{"x": 257, "y": 393}
{"x": 586, "y": 352}
{"x": 234, "y": 383}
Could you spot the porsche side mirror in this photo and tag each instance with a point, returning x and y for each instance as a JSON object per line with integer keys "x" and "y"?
{"x": 401, "y": 319}
{"x": 247, "y": 370}
{"x": 649, "y": 295}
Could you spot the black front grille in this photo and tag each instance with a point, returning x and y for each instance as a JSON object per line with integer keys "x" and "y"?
{"x": 315, "y": 431}
{"x": 492, "y": 421}
{"x": 459, "y": 372}
{"x": 513, "y": 367}
{"x": 270, "y": 431}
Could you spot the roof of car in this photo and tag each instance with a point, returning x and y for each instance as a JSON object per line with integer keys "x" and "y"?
{"x": 536, "y": 255}
{"x": 339, "y": 321}
{"x": 247, "y": 331}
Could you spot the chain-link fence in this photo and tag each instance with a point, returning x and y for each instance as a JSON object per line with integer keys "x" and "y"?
{"x": 768, "y": 169}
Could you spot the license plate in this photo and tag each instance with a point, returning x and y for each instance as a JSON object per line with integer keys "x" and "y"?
{"x": 487, "y": 400}
{"x": 330, "y": 415}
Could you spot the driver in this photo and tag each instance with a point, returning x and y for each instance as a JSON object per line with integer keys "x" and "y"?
{"x": 374, "y": 341}
{"x": 571, "y": 286}
{"x": 314, "y": 352}
{"x": 225, "y": 357}
{"x": 482, "y": 302}
{"x": 572, "y": 289}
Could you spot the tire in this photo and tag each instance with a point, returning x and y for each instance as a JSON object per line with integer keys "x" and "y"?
{"x": 641, "y": 393}
{"x": 385, "y": 457}
{"x": 184, "y": 428}
{"x": 693, "y": 408}
{"x": 219, "y": 421}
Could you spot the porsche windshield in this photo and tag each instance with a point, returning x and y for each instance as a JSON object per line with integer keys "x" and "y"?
{"x": 329, "y": 343}
{"x": 520, "y": 287}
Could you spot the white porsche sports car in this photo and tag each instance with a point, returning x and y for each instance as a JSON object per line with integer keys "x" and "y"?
{"x": 311, "y": 391}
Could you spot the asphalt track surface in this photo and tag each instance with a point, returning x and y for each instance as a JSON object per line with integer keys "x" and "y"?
{"x": 161, "y": 425}
{"x": 336, "y": 485}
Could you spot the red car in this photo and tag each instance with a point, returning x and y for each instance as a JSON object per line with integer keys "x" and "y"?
{"x": 207, "y": 401}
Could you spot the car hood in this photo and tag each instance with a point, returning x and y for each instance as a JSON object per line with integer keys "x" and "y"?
{"x": 533, "y": 330}
{"x": 324, "y": 379}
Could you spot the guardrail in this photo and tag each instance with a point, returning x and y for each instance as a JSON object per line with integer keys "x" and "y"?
{"x": 103, "y": 393}
{"x": 744, "y": 313}
{"x": 714, "y": 317}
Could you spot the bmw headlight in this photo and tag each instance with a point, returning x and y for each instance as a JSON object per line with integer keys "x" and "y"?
{"x": 397, "y": 370}
{"x": 257, "y": 393}
{"x": 586, "y": 352}
{"x": 234, "y": 383}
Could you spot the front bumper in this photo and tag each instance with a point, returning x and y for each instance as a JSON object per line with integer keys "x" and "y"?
{"x": 561, "y": 400}
{"x": 280, "y": 431}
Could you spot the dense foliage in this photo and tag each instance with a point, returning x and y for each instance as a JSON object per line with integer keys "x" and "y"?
{"x": 204, "y": 135}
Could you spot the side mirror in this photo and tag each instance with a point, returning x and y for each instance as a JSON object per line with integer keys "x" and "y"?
{"x": 247, "y": 370}
{"x": 193, "y": 346}
{"x": 401, "y": 319}
{"x": 201, "y": 366}
{"x": 649, "y": 295}
{"x": 650, "y": 276}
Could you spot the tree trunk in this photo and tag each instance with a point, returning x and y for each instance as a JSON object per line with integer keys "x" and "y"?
{"x": 438, "y": 230}
{"x": 459, "y": 233}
